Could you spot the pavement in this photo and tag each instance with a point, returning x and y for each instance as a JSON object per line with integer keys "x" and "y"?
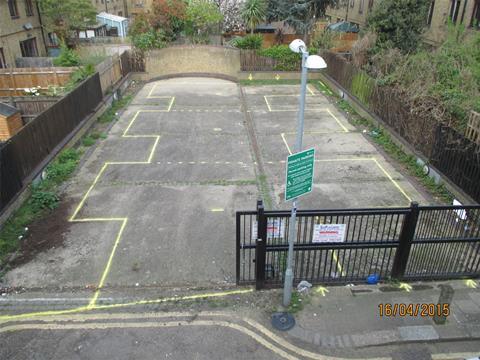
{"x": 341, "y": 322}
{"x": 146, "y": 268}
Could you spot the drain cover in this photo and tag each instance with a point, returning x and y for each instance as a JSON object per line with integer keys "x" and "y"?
{"x": 283, "y": 321}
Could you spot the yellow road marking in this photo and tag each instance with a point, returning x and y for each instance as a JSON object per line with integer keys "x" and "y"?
{"x": 339, "y": 266}
{"x": 310, "y": 90}
{"x": 217, "y": 210}
{"x": 35, "y": 315}
{"x": 123, "y": 220}
{"x": 86, "y": 319}
{"x": 140, "y": 325}
{"x": 286, "y": 143}
{"x": 268, "y": 104}
{"x": 338, "y": 121}
{"x": 392, "y": 180}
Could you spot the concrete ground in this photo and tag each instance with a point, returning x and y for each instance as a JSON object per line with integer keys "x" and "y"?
{"x": 175, "y": 167}
{"x": 154, "y": 204}
{"x": 349, "y": 171}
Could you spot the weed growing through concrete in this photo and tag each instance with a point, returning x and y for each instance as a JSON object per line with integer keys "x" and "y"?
{"x": 45, "y": 195}
{"x": 44, "y": 198}
{"x": 110, "y": 114}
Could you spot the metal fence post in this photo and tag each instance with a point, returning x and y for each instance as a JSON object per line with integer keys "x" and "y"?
{"x": 405, "y": 242}
{"x": 260, "y": 252}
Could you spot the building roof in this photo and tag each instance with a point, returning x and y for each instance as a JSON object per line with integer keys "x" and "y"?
{"x": 111, "y": 17}
{"x": 7, "y": 110}
{"x": 343, "y": 26}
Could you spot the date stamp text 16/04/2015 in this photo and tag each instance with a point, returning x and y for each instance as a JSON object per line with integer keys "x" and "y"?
{"x": 423, "y": 310}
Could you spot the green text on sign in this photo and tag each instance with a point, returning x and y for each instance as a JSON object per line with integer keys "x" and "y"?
{"x": 299, "y": 174}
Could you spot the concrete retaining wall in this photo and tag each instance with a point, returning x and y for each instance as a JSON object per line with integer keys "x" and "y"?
{"x": 188, "y": 59}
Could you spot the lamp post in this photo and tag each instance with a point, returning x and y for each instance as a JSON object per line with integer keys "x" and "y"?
{"x": 313, "y": 62}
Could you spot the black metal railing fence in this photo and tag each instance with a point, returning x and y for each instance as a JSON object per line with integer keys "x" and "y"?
{"x": 404, "y": 243}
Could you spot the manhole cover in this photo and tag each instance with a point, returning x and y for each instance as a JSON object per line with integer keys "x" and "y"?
{"x": 283, "y": 321}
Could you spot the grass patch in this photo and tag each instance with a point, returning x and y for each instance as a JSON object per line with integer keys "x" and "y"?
{"x": 109, "y": 115}
{"x": 45, "y": 195}
{"x": 44, "y": 198}
{"x": 265, "y": 191}
{"x": 88, "y": 141}
{"x": 297, "y": 303}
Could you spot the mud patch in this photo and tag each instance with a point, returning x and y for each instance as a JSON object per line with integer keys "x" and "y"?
{"x": 47, "y": 232}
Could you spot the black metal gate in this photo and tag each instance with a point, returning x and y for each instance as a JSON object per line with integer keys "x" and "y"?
{"x": 417, "y": 242}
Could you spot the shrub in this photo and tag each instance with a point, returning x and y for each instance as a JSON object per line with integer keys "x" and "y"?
{"x": 325, "y": 40}
{"x": 248, "y": 42}
{"x": 67, "y": 57}
{"x": 287, "y": 60}
{"x": 150, "y": 40}
{"x": 42, "y": 200}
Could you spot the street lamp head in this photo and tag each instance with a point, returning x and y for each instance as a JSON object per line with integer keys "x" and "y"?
{"x": 315, "y": 62}
{"x": 297, "y": 45}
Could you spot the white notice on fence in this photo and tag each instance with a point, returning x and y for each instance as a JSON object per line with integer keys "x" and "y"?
{"x": 275, "y": 229}
{"x": 329, "y": 233}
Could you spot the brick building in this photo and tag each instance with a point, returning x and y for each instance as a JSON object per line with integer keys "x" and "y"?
{"x": 114, "y": 7}
{"x": 21, "y": 32}
{"x": 440, "y": 12}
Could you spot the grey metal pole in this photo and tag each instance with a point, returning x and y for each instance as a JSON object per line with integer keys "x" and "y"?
{"x": 292, "y": 230}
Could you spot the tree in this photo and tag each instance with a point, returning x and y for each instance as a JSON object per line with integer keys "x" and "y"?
{"x": 399, "y": 23}
{"x": 203, "y": 16}
{"x": 253, "y": 13}
{"x": 168, "y": 15}
{"x": 232, "y": 20}
{"x": 63, "y": 16}
{"x": 299, "y": 14}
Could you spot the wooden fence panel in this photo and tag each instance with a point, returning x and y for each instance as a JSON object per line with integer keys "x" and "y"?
{"x": 251, "y": 61}
{"x": 14, "y": 81}
{"x": 110, "y": 71}
{"x": 22, "y": 153}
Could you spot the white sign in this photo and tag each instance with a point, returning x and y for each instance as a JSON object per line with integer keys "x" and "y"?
{"x": 329, "y": 233}
{"x": 275, "y": 229}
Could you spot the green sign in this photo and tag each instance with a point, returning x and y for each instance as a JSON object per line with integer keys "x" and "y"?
{"x": 299, "y": 174}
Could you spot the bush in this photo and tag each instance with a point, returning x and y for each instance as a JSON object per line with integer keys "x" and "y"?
{"x": 42, "y": 200}
{"x": 325, "y": 40}
{"x": 150, "y": 40}
{"x": 67, "y": 57}
{"x": 287, "y": 60}
{"x": 252, "y": 42}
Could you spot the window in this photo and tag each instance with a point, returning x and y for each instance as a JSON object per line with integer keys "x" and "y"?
{"x": 475, "y": 22}
{"x": 430, "y": 13}
{"x": 352, "y": 3}
{"x": 29, "y": 48}
{"x": 454, "y": 9}
{"x": 12, "y": 6}
{"x": 3, "y": 64}
{"x": 29, "y": 7}
{"x": 370, "y": 4}
{"x": 361, "y": 6}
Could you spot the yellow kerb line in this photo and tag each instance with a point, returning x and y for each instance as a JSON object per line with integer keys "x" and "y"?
{"x": 25, "y": 317}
